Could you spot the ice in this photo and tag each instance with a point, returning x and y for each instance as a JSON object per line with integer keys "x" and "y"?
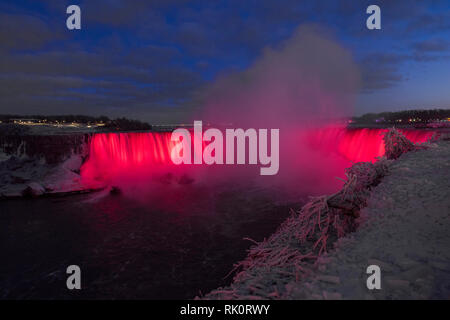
{"x": 404, "y": 230}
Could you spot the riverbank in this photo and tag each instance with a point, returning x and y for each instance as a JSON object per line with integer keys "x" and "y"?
{"x": 31, "y": 177}
{"x": 404, "y": 229}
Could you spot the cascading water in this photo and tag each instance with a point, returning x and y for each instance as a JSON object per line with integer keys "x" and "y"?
{"x": 126, "y": 157}
{"x": 113, "y": 154}
{"x": 359, "y": 144}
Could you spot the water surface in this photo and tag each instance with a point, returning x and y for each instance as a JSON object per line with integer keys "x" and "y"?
{"x": 130, "y": 249}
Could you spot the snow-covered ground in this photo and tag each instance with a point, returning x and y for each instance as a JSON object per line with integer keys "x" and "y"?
{"x": 41, "y": 159}
{"x": 22, "y": 175}
{"x": 405, "y": 230}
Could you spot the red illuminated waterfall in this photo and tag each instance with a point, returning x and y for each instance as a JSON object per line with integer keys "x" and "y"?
{"x": 129, "y": 156}
{"x": 113, "y": 154}
{"x": 359, "y": 144}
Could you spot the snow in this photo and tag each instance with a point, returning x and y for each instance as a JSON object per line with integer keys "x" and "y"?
{"x": 35, "y": 177}
{"x": 404, "y": 229}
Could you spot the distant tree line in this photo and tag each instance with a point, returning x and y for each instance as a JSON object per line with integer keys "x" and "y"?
{"x": 55, "y": 118}
{"x": 418, "y": 116}
{"x": 122, "y": 124}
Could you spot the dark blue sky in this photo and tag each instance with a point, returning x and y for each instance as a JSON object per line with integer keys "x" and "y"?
{"x": 150, "y": 59}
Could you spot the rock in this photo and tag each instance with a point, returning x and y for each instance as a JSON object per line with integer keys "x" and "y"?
{"x": 251, "y": 297}
{"x": 298, "y": 294}
{"x": 440, "y": 265}
{"x": 384, "y": 266}
{"x": 115, "y": 190}
{"x": 416, "y": 273}
{"x": 329, "y": 279}
{"x": 407, "y": 263}
{"x": 166, "y": 178}
{"x": 18, "y": 180}
{"x": 368, "y": 296}
{"x": 185, "y": 180}
{"x": 33, "y": 189}
{"x": 397, "y": 284}
{"x": 332, "y": 295}
{"x": 420, "y": 281}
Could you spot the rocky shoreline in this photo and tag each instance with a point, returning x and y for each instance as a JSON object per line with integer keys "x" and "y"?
{"x": 42, "y": 165}
{"x": 403, "y": 229}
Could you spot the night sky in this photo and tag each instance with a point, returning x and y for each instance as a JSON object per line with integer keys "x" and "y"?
{"x": 151, "y": 60}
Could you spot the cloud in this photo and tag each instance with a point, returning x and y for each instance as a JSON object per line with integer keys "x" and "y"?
{"x": 138, "y": 57}
{"x": 434, "y": 45}
{"x": 25, "y": 32}
{"x": 431, "y": 50}
{"x": 426, "y": 23}
{"x": 61, "y": 82}
{"x": 381, "y": 70}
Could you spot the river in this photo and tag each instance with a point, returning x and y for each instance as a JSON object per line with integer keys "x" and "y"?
{"x": 130, "y": 249}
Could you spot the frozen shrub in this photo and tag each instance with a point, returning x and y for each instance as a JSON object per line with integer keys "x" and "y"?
{"x": 309, "y": 232}
{"x": 367, "y": 173}
{"x": 396, "y": 144}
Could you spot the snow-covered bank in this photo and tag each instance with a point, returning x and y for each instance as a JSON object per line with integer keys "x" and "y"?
{"x": 42, "y": 165}
{"x": 404, "y": 230}
{"x": 21, "y": 177}
{"x": 406, "y": 233}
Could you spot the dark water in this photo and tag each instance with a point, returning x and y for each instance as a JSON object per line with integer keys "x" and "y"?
{"x": 130, "y": 249}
